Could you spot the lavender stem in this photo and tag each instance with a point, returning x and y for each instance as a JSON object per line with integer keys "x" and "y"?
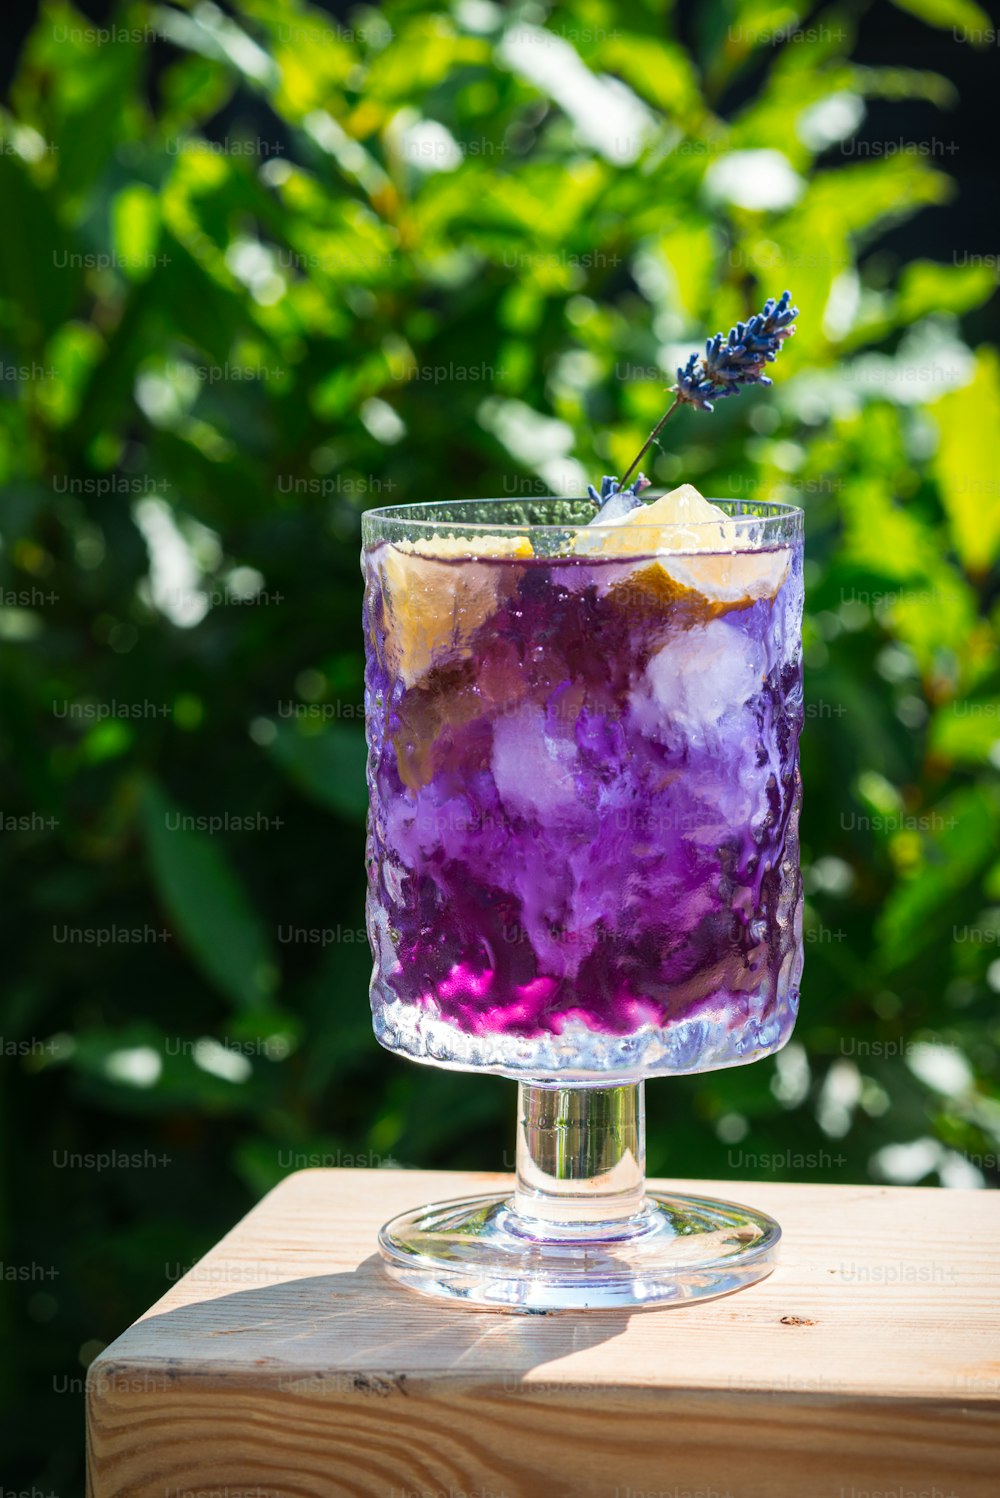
{"x": 648, "y": 442}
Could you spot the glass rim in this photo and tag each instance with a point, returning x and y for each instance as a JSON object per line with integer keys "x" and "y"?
{"x": 402, "y": 514}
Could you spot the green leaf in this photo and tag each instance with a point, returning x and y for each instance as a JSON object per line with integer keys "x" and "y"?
{"x": 947, "y": 15}
{"x": 967, "y": 464}
{"x": 39, "y": 269}
{"x": 315, "y": 62}
{"x": 193, "y": 90}
{"x": 936, "y": 618}
{"x": 905, "y": 83}
{"x": 425, "y": 52}
{"x": 329, "y": 766}
{"x": 881, "y": 535}
{"x": 658, "y": 70}
{"x": 135, "y": 218}
{"x": 91, "y": 102}
{"x": 958, "y": 840}
{"x": 214, "y": 35}
{"x": 690, "y": 252}
{"x": 967, "y": 732}
{"x": 207, "y": 903}
{"x": 72, "y": 353}
{"x": 344, "y": 388}
{"x": 732, "y": 33}
{"x": 927, "y": 287}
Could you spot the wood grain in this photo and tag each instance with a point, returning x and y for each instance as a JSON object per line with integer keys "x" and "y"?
{"x": 286, "y": 1365}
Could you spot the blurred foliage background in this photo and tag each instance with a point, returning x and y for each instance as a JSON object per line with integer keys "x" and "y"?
{"x": 262, "y": 266}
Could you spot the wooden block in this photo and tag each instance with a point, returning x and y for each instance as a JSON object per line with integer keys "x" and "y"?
{"x": 286, "y": 1365}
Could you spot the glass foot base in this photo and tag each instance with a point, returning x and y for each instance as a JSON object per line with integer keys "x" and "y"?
{"x": 482, "y": 1252}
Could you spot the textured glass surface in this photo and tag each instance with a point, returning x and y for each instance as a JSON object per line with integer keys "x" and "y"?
{"x": 583, "y": 837}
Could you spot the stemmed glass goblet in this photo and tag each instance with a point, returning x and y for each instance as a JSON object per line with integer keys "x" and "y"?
{"x": 583, "y": 863}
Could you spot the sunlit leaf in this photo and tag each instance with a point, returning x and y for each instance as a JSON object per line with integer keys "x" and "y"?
{"x": 426, "y": 50}
{"x": 135, "y": 218}
{"x": 690, "y": 252}
{"x": 213, "y": 34}
{"x": 882, "y": 536}
{"x": 859, "y": 197}
{"x": 905, "y": 83}
{"x": 659, "y": 71}
{"x": 962, "y": 15}
{"x": 967, "y": 732}
{"x": 70, "y": 357}
{"x": 925, "y": 287}
{"x": 967, "y": 464}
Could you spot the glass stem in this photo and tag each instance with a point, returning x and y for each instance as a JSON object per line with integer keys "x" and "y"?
{"x": 581, "y": 1155}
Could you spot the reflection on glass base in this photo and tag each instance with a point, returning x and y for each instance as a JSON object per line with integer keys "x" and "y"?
{"x": 482, "y": 1252}
{"x": 756, "y": 1027}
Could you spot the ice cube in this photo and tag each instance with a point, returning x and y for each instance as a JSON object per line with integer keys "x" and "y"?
{"x": 697, "y": 681}
{"x": 534, "y": 773}
{"x": 679, "y": 519}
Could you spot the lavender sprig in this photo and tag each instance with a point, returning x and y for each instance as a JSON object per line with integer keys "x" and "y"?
{"x": 722, "y": 370}
{"x": 726, "y": 366}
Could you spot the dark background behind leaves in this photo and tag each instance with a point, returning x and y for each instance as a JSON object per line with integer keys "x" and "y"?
{"x": 214, "y": 360}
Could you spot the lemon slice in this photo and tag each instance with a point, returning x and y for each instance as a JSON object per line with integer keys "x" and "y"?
{"x": 708, "y": 541}
{"x": 450, "y": 547}
{"x": 434, "y": 607}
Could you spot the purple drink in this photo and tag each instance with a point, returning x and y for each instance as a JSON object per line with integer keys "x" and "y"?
{"x": 583, "y": 839}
